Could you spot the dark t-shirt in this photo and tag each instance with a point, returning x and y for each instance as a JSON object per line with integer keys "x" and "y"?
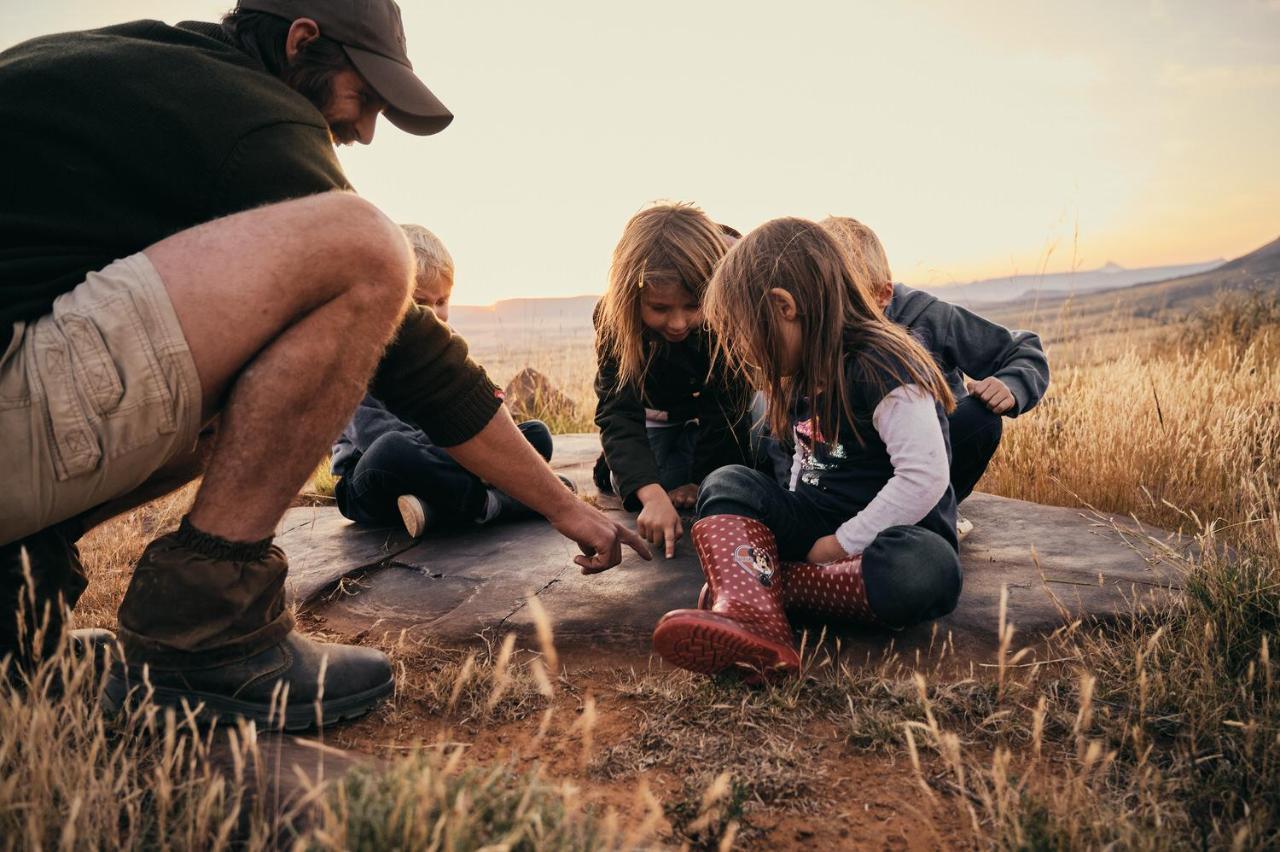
{"x": 843, "y": 476}
{"x": 117, "y": 138}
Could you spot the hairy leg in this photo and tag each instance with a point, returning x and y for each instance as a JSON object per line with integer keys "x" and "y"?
{"x": 286, "y": 310}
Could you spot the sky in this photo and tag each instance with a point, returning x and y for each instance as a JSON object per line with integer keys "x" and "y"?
{"x": 979, "y": 139}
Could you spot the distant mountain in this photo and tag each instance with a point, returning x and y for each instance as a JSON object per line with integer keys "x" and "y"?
{"x": 1146, "y": 290}
{"x": 1108, "y": 277}
{"x": 1257, "y": 271}
{"x": 567, "y": 312}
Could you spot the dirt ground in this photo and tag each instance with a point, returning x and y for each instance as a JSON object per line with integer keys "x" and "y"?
{"x": 848, "y": 798}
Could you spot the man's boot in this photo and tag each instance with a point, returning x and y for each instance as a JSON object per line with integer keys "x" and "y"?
{"x": 745, "y": 626}
{"x": 204, "y": 623}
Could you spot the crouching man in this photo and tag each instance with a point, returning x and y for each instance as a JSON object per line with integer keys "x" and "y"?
{"x": 179, "y": 245}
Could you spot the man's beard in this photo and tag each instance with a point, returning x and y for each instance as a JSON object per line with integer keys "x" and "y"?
{"x": 314, "y": 82}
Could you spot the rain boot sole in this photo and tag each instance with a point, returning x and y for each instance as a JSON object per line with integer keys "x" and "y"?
{"x": 693, "y": 641}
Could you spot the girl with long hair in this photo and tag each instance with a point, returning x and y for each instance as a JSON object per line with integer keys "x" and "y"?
{"x": 866, "y": 531}
{"x": 668, "y": 417}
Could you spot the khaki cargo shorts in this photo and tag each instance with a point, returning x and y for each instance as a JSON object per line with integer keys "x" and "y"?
{"x": 95, "y": 397}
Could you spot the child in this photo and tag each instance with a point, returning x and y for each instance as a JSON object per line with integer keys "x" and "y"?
{"x": 389, "y": 470}
{"x": 667, "y": 417}
{"x": 867, "y": 531}
{"x": 1007, "y": 370}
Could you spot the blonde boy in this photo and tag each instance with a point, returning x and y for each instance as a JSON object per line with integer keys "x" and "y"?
{"x": 991, "y": 370}
{"x": 389, "y": 470}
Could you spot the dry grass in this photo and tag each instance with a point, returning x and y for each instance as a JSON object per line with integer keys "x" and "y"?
{"x": 1178, "y": 433}
{"x": 1163, "y": 733}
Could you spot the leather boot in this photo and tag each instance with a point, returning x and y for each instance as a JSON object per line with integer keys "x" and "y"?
{"x": 355, "y": 679}
{"x": 746, "y": 626}
{"x": 204, "y": 623}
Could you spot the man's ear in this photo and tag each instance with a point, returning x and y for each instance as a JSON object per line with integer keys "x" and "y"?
{"x": 301, "y": 33}
{"x": 784, "y": 303}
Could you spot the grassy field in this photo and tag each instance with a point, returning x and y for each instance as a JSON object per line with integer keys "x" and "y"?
{"x": 1161, "y": 732}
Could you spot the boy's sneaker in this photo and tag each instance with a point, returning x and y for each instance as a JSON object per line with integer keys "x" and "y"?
{"x": 413, "y": 513}
{"x": 964, "y": 526}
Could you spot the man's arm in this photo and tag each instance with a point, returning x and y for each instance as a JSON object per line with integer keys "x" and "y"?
{"x": 501, "y": 456}
{"x": 427, "y": 379}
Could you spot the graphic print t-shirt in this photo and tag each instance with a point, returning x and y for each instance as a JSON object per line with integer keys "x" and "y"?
{"x": 843, "y": 474}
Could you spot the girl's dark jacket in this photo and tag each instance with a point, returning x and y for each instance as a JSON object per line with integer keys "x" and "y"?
{"x": 679, "y": 380}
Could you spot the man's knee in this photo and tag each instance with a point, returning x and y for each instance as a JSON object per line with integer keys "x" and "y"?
{"x": 732, "y": 490}
{"x": 367, "y": 245}
{"x": 392, "y": 451}
{"x": 911, "y": 575}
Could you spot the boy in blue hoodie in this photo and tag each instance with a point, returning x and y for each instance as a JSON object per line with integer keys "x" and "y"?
{"x": 993, "y": 372}
{"x": 389, "y": 470}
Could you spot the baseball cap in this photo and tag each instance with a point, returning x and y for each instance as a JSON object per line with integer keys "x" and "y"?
{"x": 372, "y": 34}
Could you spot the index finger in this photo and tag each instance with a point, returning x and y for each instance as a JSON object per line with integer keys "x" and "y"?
{"x": 669, "y": 534}
{"x": 635, "y": 542}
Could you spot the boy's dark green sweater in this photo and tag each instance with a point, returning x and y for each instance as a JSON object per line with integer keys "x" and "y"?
{"x": 119, "y": 137}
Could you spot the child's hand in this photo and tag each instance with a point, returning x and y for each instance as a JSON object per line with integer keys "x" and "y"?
{"x": 994, "y": 393}
{"x": 658, "y": 521}
{"x": 684, "y": 497}
{"x": 827, "y": 549}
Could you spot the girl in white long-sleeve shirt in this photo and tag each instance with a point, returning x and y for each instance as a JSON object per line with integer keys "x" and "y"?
{"x": 867, "y": 529}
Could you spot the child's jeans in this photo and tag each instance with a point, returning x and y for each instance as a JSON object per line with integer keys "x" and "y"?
{"x": 673, "y": 448}
{"x": 912, "y": 574}
{"x": 399, "y": 463}
{"x": 975, "y": 435}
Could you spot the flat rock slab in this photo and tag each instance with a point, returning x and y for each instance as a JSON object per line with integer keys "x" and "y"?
{"x": 1056, "y": 563}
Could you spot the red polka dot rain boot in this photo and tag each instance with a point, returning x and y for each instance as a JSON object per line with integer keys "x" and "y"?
{"x": 745, "y": 627}
{"x": 833, "y": 591}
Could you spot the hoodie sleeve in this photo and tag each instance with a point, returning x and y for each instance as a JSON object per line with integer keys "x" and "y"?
{"x": 620, "y": 416}
{"x": 981, "y": 348}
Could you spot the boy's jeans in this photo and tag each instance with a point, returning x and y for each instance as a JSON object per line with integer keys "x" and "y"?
{"x": 975, "y": 435}
{"x": 398, "y": 464}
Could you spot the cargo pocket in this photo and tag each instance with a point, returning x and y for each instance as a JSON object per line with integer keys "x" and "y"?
{"x": 73, "y": 443}
{"x": 92, "y": 367}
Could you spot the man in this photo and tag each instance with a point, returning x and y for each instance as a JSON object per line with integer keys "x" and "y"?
{"x": 178, "y": 244}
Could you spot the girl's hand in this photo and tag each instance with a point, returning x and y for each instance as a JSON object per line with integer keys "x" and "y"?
{"x": 994, "y": 394}
{"x": 684, "y": 497}
{"x": 659, "y": 522}
{"x": 827, "y": 549}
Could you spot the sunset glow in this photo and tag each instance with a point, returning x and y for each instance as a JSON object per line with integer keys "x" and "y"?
{"x": 978, "y": 141}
